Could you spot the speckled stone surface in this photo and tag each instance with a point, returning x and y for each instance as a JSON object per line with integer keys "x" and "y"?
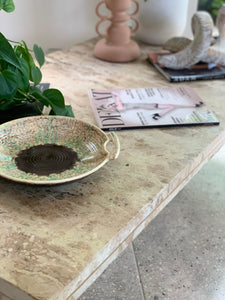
{"x": 54, "y": 241}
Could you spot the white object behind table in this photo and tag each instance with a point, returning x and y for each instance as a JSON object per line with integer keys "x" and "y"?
{"x": 160, "y": 20}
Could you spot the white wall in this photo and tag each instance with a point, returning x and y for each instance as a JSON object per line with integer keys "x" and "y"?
{"x": 50, "y": 23}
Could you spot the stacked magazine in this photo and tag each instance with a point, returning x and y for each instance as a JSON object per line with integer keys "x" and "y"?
{"x": 149, "y": 107}
{"x": 200, "y": 71}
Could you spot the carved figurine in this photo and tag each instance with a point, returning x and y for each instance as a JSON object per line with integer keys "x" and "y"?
{"x": 203, "y": 47}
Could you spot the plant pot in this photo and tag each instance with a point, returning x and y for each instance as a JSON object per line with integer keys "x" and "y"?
{"x": 161, "y": 20}
{"x": 24, "y": 110}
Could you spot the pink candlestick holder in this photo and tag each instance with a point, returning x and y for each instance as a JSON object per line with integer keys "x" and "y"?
{"x": 116, "y": 45}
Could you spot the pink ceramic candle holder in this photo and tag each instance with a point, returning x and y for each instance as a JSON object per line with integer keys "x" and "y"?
{"x": 116, "y": 45}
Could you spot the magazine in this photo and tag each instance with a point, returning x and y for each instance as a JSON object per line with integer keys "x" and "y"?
{"x": 149, "y": 107}
{"x": 200, "y": 71}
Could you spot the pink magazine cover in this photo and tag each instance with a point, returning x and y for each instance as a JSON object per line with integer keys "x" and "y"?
{"x": 149, "y": 107}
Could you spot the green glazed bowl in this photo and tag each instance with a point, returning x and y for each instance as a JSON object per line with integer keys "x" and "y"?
{"x": 47, "y": 150}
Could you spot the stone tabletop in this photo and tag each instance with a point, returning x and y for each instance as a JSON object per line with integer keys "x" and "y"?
{"x": 56, "y": 240}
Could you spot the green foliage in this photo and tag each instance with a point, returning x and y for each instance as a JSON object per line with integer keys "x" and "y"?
{"x": 7, "y": 5}
{"x": 215, "y": 6}
{"x": 20, "y": 74}
{"x": 212, "y": 6}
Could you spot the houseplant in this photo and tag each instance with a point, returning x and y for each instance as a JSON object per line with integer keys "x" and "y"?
{"x": 212, "y": 6}
{"x": 20, "y": 75}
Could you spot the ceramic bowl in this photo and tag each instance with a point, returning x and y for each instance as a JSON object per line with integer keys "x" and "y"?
{"x": 49, "y": 150}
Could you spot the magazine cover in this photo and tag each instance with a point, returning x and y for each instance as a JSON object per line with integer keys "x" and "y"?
{"x": 149, "y": 107}
{"x": 199, "y": 71}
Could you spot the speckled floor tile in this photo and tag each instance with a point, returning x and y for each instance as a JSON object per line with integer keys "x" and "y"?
{"x": 120, "y": 281}
{"x": 181, "y": 253}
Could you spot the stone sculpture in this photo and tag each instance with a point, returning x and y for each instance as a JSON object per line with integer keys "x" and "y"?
{"x": 203, "y": 47}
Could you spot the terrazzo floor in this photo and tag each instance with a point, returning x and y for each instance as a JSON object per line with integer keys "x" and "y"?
{"x": 181, "y": 254}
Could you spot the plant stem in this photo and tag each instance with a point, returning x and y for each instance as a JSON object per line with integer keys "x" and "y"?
{"x": 14, "y": 42}
{"x": 30, "y": 97}
{"x": 27, "y": 96}
{"x": 36, "y": 104}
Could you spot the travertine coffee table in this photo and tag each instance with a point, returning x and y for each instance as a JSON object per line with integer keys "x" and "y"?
{"x": 55, "y": 241}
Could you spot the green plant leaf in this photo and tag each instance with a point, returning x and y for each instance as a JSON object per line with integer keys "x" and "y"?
{"x": 36, "y": 75}
{"x": 69, "y": 111}
{"x": 3, "y": 65}
{"x": 23, "y": 75}
{"x": 66, "y": 111}
{"x": 23, "y": 52}
{"x": 26, "y": 54}
{"x": 38, "y": 95}
{"x": 39, "y": 55}
{"x": 59, "y": 111}
{"x": 24, "y": 67}
{"x": 7, "y": 52}
{"x": 7, "y": 104}
{"x": 7, "y": 5}
{"x": 19, "y": 51}
{"x": 8, "y": 85}
{"x": 35, "y": 72}
{"x": 52, "y": 98}
{"x": 56, "y": 101}
{"x": 55, "y": 96}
